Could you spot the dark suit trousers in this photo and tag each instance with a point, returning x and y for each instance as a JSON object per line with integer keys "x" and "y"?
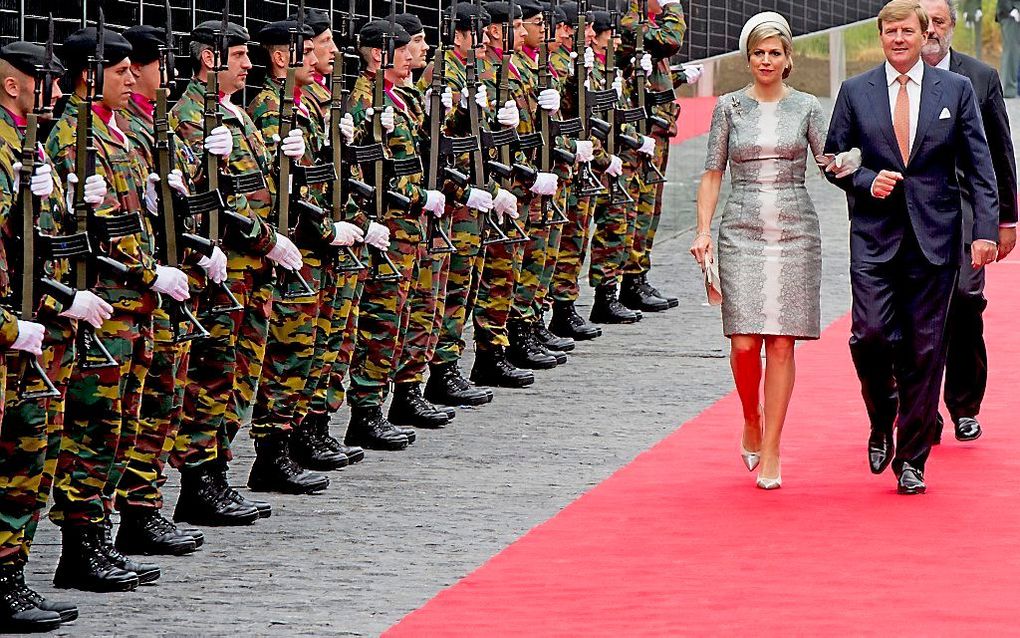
{"x": 898, "y": 344}
{"x": 966, "y": 359}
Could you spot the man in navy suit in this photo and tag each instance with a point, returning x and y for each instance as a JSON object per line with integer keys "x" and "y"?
{"x": 915, "y": 126}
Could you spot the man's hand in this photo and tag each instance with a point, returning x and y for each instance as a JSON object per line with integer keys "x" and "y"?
{"x": 378, "y": 236}
{"x": 87, "y": 306}
{"x": 346, "y": 234}
{"x": 982, "y": 252}
{"x": 479, "y": 199}
{"x": 435, "y": 202}
{"x": 585, "y": 151}
{"x": 589, "y": 58}
{"x": 171, "y": 281}
{"x": 1007, "y": 241}
{"x": 346, "y": 127}
{"x": 219, "y": 142}
{"x": 884, "y": 184}
{"x": 285, "y": 253}
{"x": 215, "y": 265}
{"x": 30, "y": 337}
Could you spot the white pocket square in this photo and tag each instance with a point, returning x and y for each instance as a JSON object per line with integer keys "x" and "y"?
{"x": 944, "y": 115}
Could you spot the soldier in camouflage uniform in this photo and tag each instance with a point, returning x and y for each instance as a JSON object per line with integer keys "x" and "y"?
{"x": 664, "y": 33}
{"x": 224, "y": 368}
{"x": 139, "y": 498}
{"x": 29, "y": 440}
{"x": 384, "y": 301}
{"x": 292, "y": 333}
{"x": 102, "y": 406}
{"x": 310, "y": 443}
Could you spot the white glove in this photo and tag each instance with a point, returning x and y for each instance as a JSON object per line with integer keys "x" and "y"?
{"x": 505, "y": 203}
{"x": 666, "y": 3}
{"x": 978, "y": 15}
{"x": 346, "y": 234}
{"x": 479, "y": 199}
{"x": 378, "y": 236}
{"x": 435, "y": 202}
{"x": 618, "y": 85}
{"x": 1015, "y": 14}
{"x": 509, "y": 115}
{"x": 589, "y": 58}
{"x": 285, "y": 253}
{"x": 693, "y": 73}
{"x": 171, "y": 281}
{"x": 847, "y": 162}
{"x": 41, "y": 183}
{"x": 346, "y": 126}
{"x": 87, "y": 306}
{"x": 966, "y": 19}
{"x": 646, "y": 63}
{"x": 647, "y": 146}
{"x": 584, "y": 151}
{"x": 219, "y": 141}
{"x": 293, "y": 146}
{"x": 388, "y": 121}
{"x": 95, "y": 190}
{"x": 445, "y": 98}
{"x": 150, "y": 198}
{"x": 215, "y": 265}
{"x": 615, "y": 168}
{"x": 30, "y": 337}
{"x": 545, "y": 184}
{"x": 549, "y": 99}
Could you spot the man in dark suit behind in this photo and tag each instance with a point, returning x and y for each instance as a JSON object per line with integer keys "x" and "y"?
{"x": 916, "y": 127}
{"x": 967, "y": 360}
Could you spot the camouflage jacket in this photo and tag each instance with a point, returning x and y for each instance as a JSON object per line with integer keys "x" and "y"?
{"x": 518, "y": 91}
{"x": 249, "y": 154}
{"x": 664, "y": 35}
{"x": 264, "y": 110}
{"x": 125, "y": 171}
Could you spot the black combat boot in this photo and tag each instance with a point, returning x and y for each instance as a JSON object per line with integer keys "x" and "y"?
{"x": 370, "y": 430}
{"x": 320, "y": 421}
{"x": 410, "y": 408}
{"x": 264, "y": 508}
{"x": 607, "y": 309}
{"x": 275, "y": 471}
{"x": 147, "y": 572}
{"x": 447, "y": 386}
{"x": 19, "y": 607}
{"x": 492, "y": 368}
{"x": 85, "y": 565}
{"x": 635, "y": 296}
{"x": 145, "y": 531}
{"x": 205, "y": 501}
{"x": 567, "y": 323}
{"x": 67, "y": 611}
{"x": 547, "y": 339}
{"x": 652, "y": 290}
{"x": 524, "y": 351}
{"x": 310, "y": 450}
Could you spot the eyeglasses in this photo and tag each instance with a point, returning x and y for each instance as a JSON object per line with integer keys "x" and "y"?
{"x": 538, "y": 22}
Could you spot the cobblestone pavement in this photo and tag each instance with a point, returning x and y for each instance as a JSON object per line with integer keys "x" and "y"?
{"x": 394, "y": 530}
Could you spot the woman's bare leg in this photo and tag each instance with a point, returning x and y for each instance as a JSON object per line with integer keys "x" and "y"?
{"x": 780, "y": 371}
{"x": 745, "y": 361}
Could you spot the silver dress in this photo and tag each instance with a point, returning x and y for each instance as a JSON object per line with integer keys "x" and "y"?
{"x": 769, "y": 248}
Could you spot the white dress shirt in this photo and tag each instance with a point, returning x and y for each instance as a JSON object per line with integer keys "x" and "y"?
{"x": 916, "y": 74}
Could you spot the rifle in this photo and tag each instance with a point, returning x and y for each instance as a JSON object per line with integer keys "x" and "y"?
{"x": 288, "y": 119}
{"x": 651, "y": 174}
{"x": 173, "y": 240}
{"x": 92, "y": 353}
{"x": 32, "y": 372}
{"x": 551, "y": 212}
{"x": 587, "y": 183}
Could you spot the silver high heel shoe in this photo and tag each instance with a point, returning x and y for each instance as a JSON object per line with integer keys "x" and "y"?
{"x": 771, "y": 483}
{"x": 751, "y": 459}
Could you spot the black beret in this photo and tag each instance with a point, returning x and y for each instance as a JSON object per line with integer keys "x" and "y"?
{"x": 82, "y": 43}
{"x": 371, "y": 35}
{"x": 600, "y": 21}
{"x": 146, "y": 42}
{"x": 529, "y": 8}
{"x": 29, "y": 58}
{"x": 499, "y": 11}
{"x": 206, "y": 33}
{"x": 277, "y": 33}
{"x": 570, "y": 11}
{"x": 557, "y": 13}
{"x": 317, "y": 19}
{"x": 411, "y": 23}
{"x": 465, "y": 11}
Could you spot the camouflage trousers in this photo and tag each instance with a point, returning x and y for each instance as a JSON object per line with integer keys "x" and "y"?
{"x": 555, "y": 242}
{"x": 465, "y": 264}
{"x": 101, "y": 422}
{"x": 494, "y": 294}
{"x": 223, "y": 369}
{"x": 614, "y": 231}
{"x": 573, "y": 247}
{"x": 140, "y": 487}
{"x": 424, "y": 316}
{"x": 383, "y": 304}
{"x": 290, "y": 349}
{"x": 30, "y": 443}
{"x": 536, "y": 252}
{"x": 649, "y": 211}
{"x": 334, "y": 340}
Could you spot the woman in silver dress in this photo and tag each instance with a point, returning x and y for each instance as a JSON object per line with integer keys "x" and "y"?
{"x": 769, "y": 250}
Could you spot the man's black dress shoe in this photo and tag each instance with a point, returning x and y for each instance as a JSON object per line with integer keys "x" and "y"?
{"x": 911, "y": 481}
{"x": 967, "y": 428}
{"x": 880, "y": 451}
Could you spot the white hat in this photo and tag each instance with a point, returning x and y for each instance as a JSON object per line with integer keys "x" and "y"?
{"x": 770, "y": 18}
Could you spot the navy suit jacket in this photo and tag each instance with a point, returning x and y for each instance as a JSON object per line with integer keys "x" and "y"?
{"x": 928, "y": 198}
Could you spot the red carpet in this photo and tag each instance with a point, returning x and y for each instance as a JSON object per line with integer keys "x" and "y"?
{"x": 695, "y": 118}
{"x": 680, "y": 541}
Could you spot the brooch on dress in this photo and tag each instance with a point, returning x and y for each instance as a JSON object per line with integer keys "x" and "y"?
{"x": 737, "y": 107}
